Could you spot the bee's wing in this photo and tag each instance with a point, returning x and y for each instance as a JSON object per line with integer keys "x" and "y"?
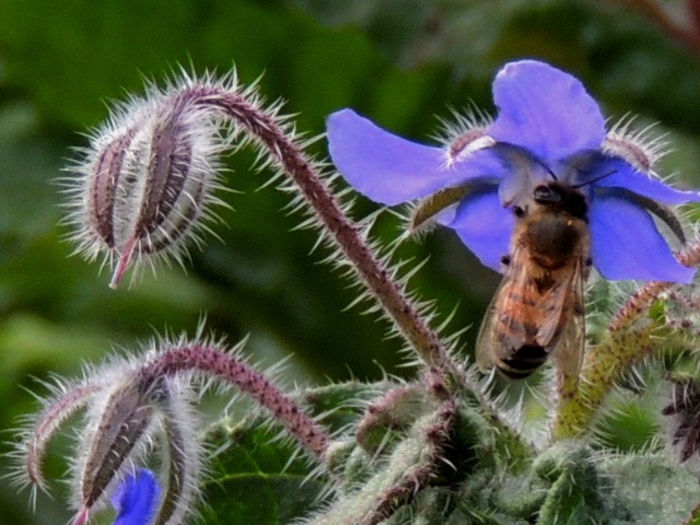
{"x": 555, "y": 303}
{"x": 569, "y": 353}
{"x": 515, "y": 276}
{"x": 485, "y": 339}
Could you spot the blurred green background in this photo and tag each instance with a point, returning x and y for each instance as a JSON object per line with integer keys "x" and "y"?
{"x": 402, "y": 62}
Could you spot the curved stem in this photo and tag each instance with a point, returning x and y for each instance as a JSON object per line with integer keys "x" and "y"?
{"x": 228, "y": 367}
{"x": 420, "y": 475}
{"x": 48, "y": 422}
{"x": 346, "y": 234}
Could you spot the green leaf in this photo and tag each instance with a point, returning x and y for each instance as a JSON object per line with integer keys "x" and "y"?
{"x": 254, "y": 480}
{"x": 652, "y": 489}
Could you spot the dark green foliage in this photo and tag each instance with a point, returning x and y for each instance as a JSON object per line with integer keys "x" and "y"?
{"x": 575, "y": 494}
{"x": 253, "y": 481}
{"x": 568, "y": 484}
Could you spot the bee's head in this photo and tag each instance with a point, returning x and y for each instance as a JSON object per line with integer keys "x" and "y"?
{"x": 560, "y": 197}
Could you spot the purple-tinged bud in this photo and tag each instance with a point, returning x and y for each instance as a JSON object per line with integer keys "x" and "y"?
{"x": 464, "y": 136}
{"x": 124, "y": 419}
{"x": 65, "y": 400}
{"x": 183, "y": 455}
{"x": 146, "y": 180}
{"x": 639, "y": 147}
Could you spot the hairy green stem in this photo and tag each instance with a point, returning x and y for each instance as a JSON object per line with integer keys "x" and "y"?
{"x": 603, "y": 366}
{"x": 624, "y": 344}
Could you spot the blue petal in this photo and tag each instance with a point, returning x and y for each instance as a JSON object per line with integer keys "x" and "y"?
{"x": 136, "y": 498}
{"x": 485, "y": 226}
{"x": 390, "y": 169}
{"x": 545, "y": 111}
{"x": 627, "y": 245}
{"x": 617, "y": 173}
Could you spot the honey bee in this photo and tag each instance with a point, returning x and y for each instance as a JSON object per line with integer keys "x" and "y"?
{"x": 538, "y": 309}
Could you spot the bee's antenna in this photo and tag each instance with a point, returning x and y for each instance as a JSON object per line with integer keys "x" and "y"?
{"x": 594, "y": 180}
{"x": 549, "y": 170}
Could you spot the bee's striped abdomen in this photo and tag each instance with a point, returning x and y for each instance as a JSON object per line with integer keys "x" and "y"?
{"x": 521, "y": 353}
{"x": 523, "y": 361}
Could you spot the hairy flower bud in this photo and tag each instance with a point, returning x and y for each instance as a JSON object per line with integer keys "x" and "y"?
{"x": 145, "y": 182}
{"x": 135, "y": 404}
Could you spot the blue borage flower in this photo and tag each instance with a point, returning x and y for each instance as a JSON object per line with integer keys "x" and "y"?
{"x": 547, "y": 127}
{"x": 136, "y": 498}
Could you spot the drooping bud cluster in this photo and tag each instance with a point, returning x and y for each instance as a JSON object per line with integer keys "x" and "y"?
{"x": 131, "y": 402}
{"x": 147, "y": 179}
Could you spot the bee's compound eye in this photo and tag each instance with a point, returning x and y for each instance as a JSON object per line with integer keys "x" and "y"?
{"x": 545, "y": 194}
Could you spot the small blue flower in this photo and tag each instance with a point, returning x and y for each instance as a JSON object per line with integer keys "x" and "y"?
{"x": 136, "y": 498}
{"x": 547, "y": 127}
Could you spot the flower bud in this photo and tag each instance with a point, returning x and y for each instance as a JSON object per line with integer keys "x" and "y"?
{"x": 124, "y": 419}
{"x": 145, "y": 182}
{"x": 143, "y": 405}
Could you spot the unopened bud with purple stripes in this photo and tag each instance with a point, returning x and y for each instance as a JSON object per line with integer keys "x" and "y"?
{"x": 146, "y": 182}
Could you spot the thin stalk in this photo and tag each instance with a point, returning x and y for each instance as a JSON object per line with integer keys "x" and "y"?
{"x": 212, "y": 361}
{"x": 376, "y": 276}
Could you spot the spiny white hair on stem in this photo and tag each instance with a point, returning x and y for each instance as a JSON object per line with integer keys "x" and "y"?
{"x": 64, "y": 397}
{"x": 119, "y": 179}
{"x": 36, "y": 430}
{"x": 509, "y": 415}
{"x": 651, "y": 400}
{"x": 539, "y": 395}
{"x": 399, "y": 272}
{"x": 396, "y": 467}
